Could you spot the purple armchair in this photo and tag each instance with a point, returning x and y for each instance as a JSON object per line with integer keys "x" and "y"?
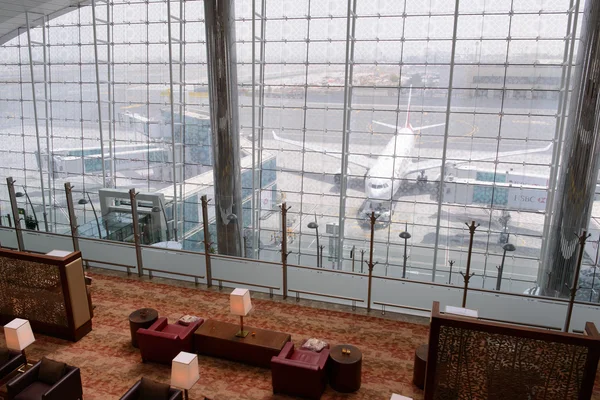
{"x": 28, "y": 387}
{"x": 299, "y": 372}
{"x": 15, "y": 360}
{"x": 162, "y": 341}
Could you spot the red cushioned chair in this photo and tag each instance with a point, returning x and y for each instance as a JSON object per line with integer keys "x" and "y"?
{"x": 162, "y": 341}
{"x": 299, "y": 372}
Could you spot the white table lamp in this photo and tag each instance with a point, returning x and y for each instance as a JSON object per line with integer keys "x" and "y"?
{"x": 18, "y": 334}
{"x": 240, "y": 304}
{"x": 184, "y": 371}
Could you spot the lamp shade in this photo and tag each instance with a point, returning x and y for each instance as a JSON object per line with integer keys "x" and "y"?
{"x": 240, "y": 303}
{"x": 18, "y": 334}
{"x": 184, "y": 370}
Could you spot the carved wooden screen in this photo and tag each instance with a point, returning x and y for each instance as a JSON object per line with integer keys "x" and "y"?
{"x": 470, "y": 359}
{"x": 32, "y": 290}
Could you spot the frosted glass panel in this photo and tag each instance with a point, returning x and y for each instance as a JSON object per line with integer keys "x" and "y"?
{"x": 43, "y": 242}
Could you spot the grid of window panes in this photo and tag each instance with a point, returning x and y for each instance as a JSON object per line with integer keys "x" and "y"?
{"x": 331, "y": 78}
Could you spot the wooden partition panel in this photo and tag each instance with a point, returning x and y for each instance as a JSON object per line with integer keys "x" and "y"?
{"x": 472, "y": 359}
{"x": 48, "y": 291}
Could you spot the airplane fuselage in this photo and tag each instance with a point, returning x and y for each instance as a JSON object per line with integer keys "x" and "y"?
{"x": 384, "y": 177}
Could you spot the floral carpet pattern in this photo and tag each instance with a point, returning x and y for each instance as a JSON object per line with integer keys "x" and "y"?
{"x": 110, "y": 365}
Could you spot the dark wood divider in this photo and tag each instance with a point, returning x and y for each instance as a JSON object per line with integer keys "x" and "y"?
{"x": 472, "y": 359}
{"x": 48, "y": 291}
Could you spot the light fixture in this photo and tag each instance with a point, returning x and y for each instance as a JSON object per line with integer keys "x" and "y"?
{"x": 18, "y": 334}
{"x": 184, "y": 371}
{"x": 82, "y": 201}
{"x": 240, "y": 304}
{"x": 315, "y": 226}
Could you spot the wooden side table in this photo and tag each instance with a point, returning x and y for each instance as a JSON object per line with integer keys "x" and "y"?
{"x": 345, "y": 370}
{"x": 420, "y": 366}
{"x": 142, "y": 318}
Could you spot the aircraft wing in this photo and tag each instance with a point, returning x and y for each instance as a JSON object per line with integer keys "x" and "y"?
{"x": 355, "y": 159}
{"x": 418, "y": 128}
{"x": 430, "y": 164}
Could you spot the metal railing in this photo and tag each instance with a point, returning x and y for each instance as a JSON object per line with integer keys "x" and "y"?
{"x": 271, "y": 288}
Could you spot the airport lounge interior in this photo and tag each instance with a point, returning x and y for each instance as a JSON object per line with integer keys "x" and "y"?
{"x": 299, "y": 199}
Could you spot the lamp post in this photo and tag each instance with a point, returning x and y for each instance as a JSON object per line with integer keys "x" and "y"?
{"x": 84, "y": 201}
{"x": 507, "y": 247}
{"x": 20, "y": 194}
{"x": 315, "y": 226}
{"x": 162, "y": 208}
{"x": 405, "y": 235}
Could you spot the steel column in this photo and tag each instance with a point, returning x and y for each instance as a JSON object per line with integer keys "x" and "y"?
{"x": 445, "y": 146}
{"x": 349, "y": 71}
{"x": 207, "y": 242}
{"x": 99, "y": 101}
{"x": 136, "y": 232}
{"x": 576, "y": 183}
{"x": 35, "y": 114}
{"x": 72, "y": 216}
{"x": 10, "y": 183}
{"x": 223, "y": 98}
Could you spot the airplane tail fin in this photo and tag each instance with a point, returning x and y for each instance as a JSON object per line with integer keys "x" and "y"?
{"x": 407, "y": 125}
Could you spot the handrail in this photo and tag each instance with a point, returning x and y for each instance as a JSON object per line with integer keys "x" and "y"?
{"x": 327, "y": 295}
{"x": 327, "y": 270}
{"x": 109, "y": 263}
{"x": 383, "y": 304}
{"x": 173, "y": 272}
{"x": 245, "y": 283}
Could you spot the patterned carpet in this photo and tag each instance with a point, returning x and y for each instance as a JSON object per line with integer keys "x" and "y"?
{"x": 110, "y": 365}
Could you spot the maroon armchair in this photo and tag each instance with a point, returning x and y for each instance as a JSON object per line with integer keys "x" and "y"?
{"x": 299, "y": 372}
{"x": 162, "y": 341}
{"x": 31, "y": 386}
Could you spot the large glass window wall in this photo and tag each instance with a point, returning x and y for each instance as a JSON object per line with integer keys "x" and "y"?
{"x": 332, "y": 96}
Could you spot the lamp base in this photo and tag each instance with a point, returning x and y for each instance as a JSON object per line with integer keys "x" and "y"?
{"x": 242, "y": 334}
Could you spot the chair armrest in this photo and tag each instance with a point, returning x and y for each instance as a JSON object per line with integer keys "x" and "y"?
{"x": 19, "y": 384}
{"x": 156, "y": 334}
{"x": 294, "y": 363}
{"x": 176, "y": 394}
{"x": 68, "y": 387}
{"x": 191, "y": 328}
{"x": 287, "y": 350}
{"x": 132, "y": 393}
{"x": 16, "y": 360}
{"x": 159, "y": 325}
{"x": 323, "y": 358}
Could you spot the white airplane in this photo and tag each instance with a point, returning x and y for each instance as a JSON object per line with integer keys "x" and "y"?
{"x": 385, "y": 173}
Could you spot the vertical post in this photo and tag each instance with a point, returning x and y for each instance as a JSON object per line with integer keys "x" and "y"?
{"x": 207, "y": 242}
{"x": 371, "y": 265}
{"x": 352, "y": 256}
{"x": 136, "y": 232}
{"x": 72, "y": 216}
{"x": 574, "y": 286}
{"x": 219, "y": 21}
{"x": 467, "y": 275}
{"x": 284, "y": 252}
{"x": 10, "y": 182}
{"x": 362, "y": 260}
